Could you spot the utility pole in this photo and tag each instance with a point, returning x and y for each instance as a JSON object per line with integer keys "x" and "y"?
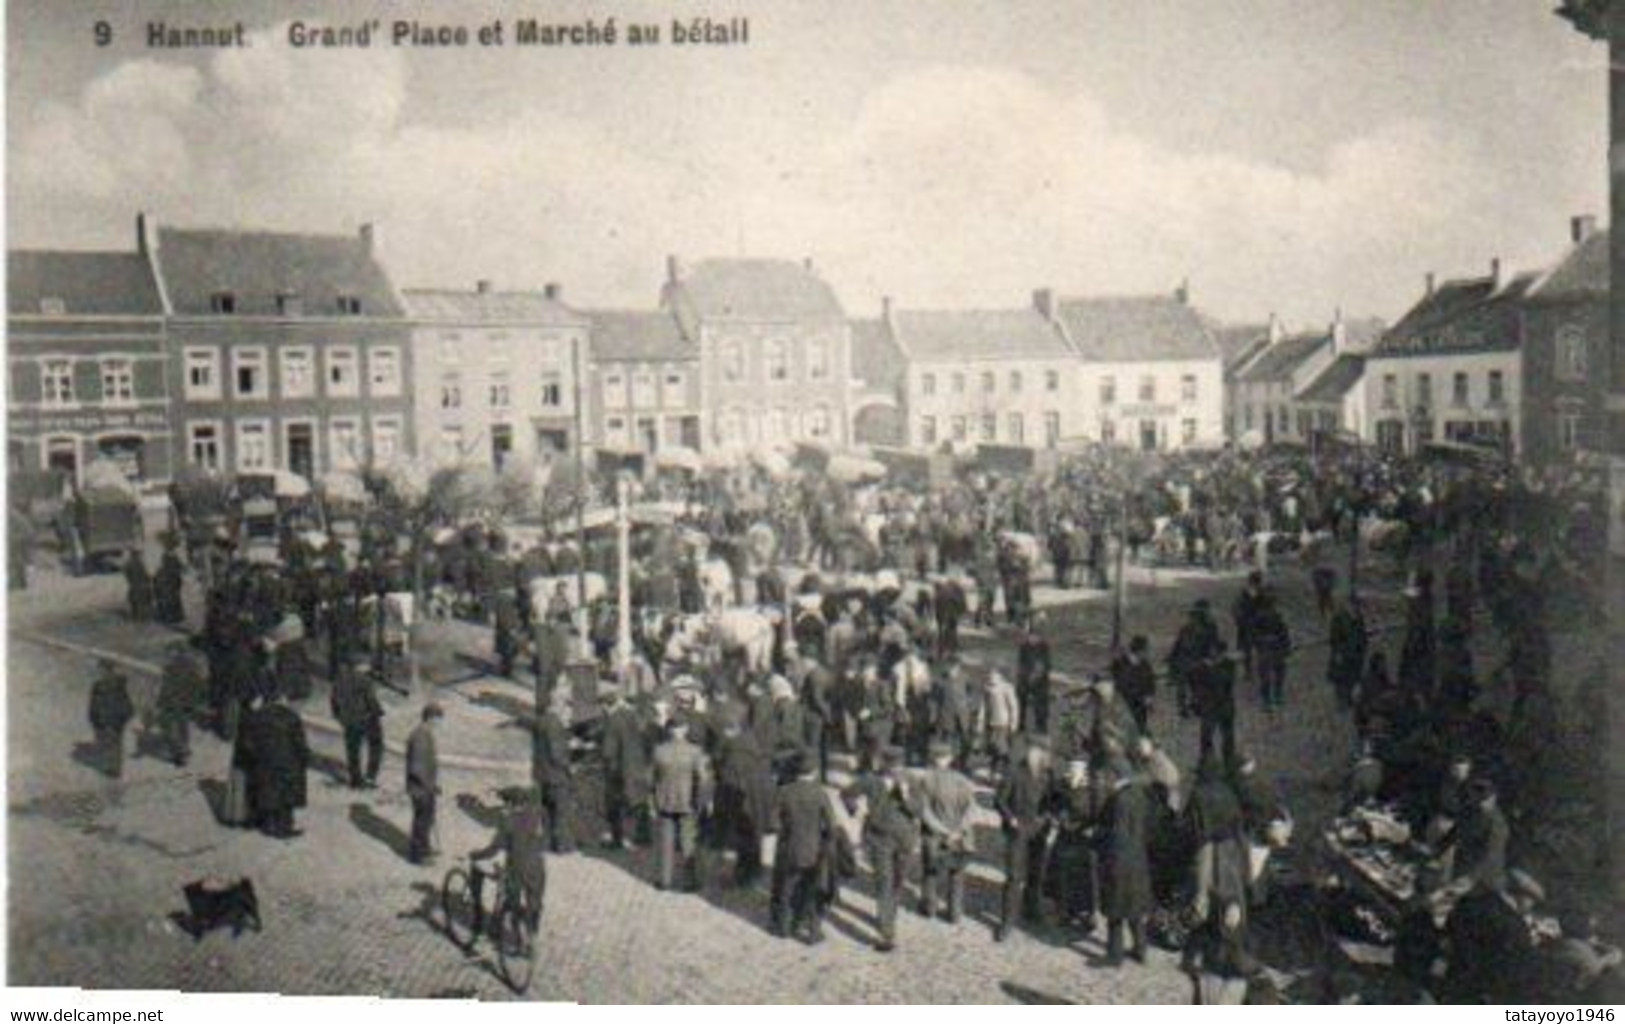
{"x": 583, "y": 648}
{"x": 623, "y": 563}
{"x": 1119, "y": 597}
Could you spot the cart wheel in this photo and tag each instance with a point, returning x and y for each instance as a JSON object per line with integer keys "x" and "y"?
{"x": 516, "y": 947}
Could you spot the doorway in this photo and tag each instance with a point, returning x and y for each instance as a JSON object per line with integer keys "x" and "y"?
{"x": 300, "y": 440}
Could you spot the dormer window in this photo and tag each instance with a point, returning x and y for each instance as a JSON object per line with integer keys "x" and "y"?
{"x": 349, "y": 305}
{"x": 51, "y": 305}
{"x": 289, "y": 304}
{"x": 223, "y": 303}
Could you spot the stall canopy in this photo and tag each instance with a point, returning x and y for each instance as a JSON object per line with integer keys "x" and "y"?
{"x": 853, "y": 469}
{"x": 679, "y": 458}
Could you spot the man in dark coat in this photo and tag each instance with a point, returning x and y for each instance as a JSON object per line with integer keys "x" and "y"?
{"x": 891, "y": 830}
{"x": 948, "y": 597}
{"x": 744, "y": 799}
{"x": 1244, "y": 613}
{"x": 1026, "y": 804}
{"x": 1348, "y": 643}
{"x": 506, "y": 636}
{"x": 1213, "y": 697}
{"x": 1272, "y": 644}
{"x": 520, "y": 842}
{"x": 1196, "y": 643}
{"x": 423, "y": 783}
{"x": 626, "y": 751}
{"x": 1136, "y": 680}
{"x": 181, "y": 695}
{"x": 818, "y": 687}
{"x": 355, "y": 705}
{"x": 281, "y": 759}
{"x": 110, "y": 712}
{"x": 806, "y": 825}
{"x": 1032, "y": 677}
{"x": 138, "y": 586}
{"x": 553, "y": 774}
{"x": 1492, "y": 955}
{"x": 293, "y": 672}
{"x": 1125, "y": 866}
{"x": 1417, "y": 657}
{"x": 166, "y": 588}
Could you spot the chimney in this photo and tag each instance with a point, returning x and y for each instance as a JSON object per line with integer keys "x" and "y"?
{"x": 1277, "y": 330}
{"x": 674, "y": 270}
{"x": 482, "y": 286}
{"x": 1495, "y": 272}
{"x": 1340, "y": 333}
{"x": 1581, "y": 228}
{"x": 807, "y": 264}
{"x": 366, "y": 238}
{"x": 146, "y": 232}
{"x": 1182, "y": 294}
{"x": 1432, "y": 280}
{"x": 1044, "y": 302}
{"x": 885, "y": 308}
{"x": 552, "y": 290}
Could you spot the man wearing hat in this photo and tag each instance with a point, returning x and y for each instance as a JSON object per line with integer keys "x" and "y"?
{"x": 1032, "y": 676}
{"x": 1198, "y": 642}
{"x": 745, "y": 795}
{"x": 1136, "y": 680}
{"x": 682, "y": 792}
{"x": 355, "y": 705}
{"x": 1026, "y": 804}
{"x": 1244, "y": 613}
{"x": 891, "y": 829}
{"x": 626, "y": 771}
{"x": 519, "y": 841}
{"x": 110, "y": 712}
{"x": 552, "y": 772}
{"x": 946, "y": 798}
{"x": 423, "y": 783}
{"x": 1213, "y": 698}
{"x": 806, "y": 825}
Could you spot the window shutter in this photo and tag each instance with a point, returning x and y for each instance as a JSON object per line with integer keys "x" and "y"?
{"x": 149, "y": 379}
{"x": 87, "y": 380}
{"x": 25, "y": 381}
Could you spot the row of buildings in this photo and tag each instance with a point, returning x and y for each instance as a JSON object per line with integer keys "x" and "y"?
{"x": 1516, "y": 362}
{"x": 247, "y": 350}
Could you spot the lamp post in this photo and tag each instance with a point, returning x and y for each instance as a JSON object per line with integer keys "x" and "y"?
{"x": 623, "y": 569}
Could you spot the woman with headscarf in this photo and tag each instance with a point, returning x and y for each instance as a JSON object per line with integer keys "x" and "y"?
{"x": 1218, "y": 825}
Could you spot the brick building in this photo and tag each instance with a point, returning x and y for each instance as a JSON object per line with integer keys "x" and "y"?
{"x": 1451, "y": 369}
{"x": 774, "y": 348}
{"x": 1565, "y": 351}
{"x": 644, "y": 384}
{"x": 289, "y": 351}
{"x": 496, "y": 374}
{"x": 88, "y": 364}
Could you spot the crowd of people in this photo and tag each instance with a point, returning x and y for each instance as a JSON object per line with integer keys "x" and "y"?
{"x": 857, "y": 738}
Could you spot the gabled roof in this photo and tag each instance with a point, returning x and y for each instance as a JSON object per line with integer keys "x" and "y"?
{"x": 1281, "y": 360}
{"x": 489, "y": 306}
{"x": 87, "y": 283}
{"x": 977, "y": 334}
{"x": 1239, "y": 341}
{"x": 258, "y": 266}
{"x": 632, "y": 336}
{"x": 1136, "y": 329}
{"x": 1468, "y": 315}
{"x": 758, "y": 289}
{"x": 1335, "y": 381}
{"x": 876, "y": 358}
{"x": 1583, "y": 273}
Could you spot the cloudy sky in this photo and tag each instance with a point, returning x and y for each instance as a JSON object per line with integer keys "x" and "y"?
{"x": 1286, "y": 155}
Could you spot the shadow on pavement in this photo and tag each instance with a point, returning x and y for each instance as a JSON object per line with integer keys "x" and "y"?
{"x": 92, "y": 756}
{"x": 374, "y": 826}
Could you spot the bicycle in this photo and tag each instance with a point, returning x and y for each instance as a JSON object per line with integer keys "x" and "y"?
{"x": 510, "y": 923}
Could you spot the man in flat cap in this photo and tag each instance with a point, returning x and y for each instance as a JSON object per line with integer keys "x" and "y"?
{"x": 423, "y": 782}
{"x": 805, "y": 825}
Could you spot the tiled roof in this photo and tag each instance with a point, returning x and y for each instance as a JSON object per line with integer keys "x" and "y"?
{"x": 976, "y": 334}
{"x": 758, "y": 289}
{"x": 1470, "y": 315}
{"x": 258, "y": 266}
{"x": 1137, "y": 329}
{"x": 876, "y": 359}
{"x": 88, "y": 283}
{"x": 630, "y": 336}
{"x": 504, "y": 307}
{"x": 1335, "y": 381}
{"x": 1585, "y": 271}
{"x": 1282, "y": 359}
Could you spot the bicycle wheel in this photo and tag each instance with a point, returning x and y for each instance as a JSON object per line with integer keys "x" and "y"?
{"x": 516, "y": 947}
{"x": 457, "y": 907}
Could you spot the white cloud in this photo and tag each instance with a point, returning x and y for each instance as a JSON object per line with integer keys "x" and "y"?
{"x": 951, "y": 186}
